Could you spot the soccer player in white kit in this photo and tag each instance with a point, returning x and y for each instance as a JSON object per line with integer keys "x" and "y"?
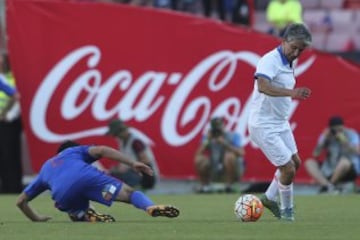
{"x": 268, "y": 123}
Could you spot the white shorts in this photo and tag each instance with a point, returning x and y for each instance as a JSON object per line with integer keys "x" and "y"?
{"x": 278, "y": 146}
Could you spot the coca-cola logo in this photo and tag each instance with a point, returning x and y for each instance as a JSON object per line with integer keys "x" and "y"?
{"x": 175, "y": 112}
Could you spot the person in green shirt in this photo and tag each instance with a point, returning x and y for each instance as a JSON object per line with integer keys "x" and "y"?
{"x": 280, "y": 13}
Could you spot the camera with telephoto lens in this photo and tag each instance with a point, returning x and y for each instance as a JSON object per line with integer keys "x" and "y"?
{"x": 216, "y": 132}
{"x": 216, "y": 127}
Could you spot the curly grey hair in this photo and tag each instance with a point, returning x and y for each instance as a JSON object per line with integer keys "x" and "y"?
{"x": 297, "y": 31}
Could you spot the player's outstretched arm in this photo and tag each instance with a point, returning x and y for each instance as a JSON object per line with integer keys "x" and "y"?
{"x": 23, "y": 204}
{"x": 113, "y": 154}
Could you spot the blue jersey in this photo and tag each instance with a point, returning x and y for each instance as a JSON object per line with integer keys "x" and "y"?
{"x": 73, "y": 181}
{"x": 61, "y": 172}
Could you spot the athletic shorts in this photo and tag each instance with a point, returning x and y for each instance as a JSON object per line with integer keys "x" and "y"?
{"x": 278, "y": 146}
{"x": 96, "y": 186}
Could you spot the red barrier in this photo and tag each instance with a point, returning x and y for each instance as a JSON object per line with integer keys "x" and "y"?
{"x": 79, "y": 65}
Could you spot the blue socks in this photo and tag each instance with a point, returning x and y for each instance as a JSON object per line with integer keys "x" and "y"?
{"x": 140, "y": 200}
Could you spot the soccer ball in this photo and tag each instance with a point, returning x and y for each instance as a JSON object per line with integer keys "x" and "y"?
{"x": 248, "y": 208}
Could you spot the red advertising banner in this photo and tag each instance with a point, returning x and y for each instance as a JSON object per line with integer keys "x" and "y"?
{"x": 79, "y": 65}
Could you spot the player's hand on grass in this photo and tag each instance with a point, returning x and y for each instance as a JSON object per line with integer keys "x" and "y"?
{"x": 43, "y": 218}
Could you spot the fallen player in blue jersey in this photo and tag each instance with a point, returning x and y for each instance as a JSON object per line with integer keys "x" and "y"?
{"x": 74, "y": 182}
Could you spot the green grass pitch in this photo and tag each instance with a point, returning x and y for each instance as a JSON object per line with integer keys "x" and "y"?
{"x": 202, "y": 217}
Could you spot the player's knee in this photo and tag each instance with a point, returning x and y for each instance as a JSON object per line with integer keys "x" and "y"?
{"x": 296, "y": 160}
{"x": 287, "y": 172}
{"x": 200, "y": 161}
{"x": 125, "y": 193}
{"x": 292, "y": 173}
{"x": 203, "y": 166}
{"x": 292, "y": 167}
{"x": 297, "y": 164}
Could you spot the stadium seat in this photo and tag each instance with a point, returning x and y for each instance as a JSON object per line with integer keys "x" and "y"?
{"x": 261, "y": 23}
{"x": 352, "y": 4}
{"x": 342, "y": 16}
{"x": 262, "y": 27}
{"x": 356, "y": 39}
{"x": 337, "y": 42}
{"x": 329, "y": 4}
{"x": 343, "y": 21}
{"x": 314, "y": 16}
{"x": 309, "y": 4}
{"x": 357, "y": 18}
{"x": 319, "y": 40}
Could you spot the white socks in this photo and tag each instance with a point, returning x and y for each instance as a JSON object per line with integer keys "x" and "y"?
{"x": 286, "y": 193}
{"x": 272, "y": 191}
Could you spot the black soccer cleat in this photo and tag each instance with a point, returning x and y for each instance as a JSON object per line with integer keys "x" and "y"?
{"x": 163, "y": 211}
{"x": 92, "y": 216}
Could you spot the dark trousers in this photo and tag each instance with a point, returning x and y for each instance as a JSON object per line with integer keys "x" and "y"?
{"x": 220, "y": 8}
{"x": 241, "y": 13}
{"x": 10, "y": 157}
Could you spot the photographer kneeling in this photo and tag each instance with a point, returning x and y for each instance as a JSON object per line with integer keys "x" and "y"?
{"x": 219, "y": 157}
{"x": 341, "y": 164}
